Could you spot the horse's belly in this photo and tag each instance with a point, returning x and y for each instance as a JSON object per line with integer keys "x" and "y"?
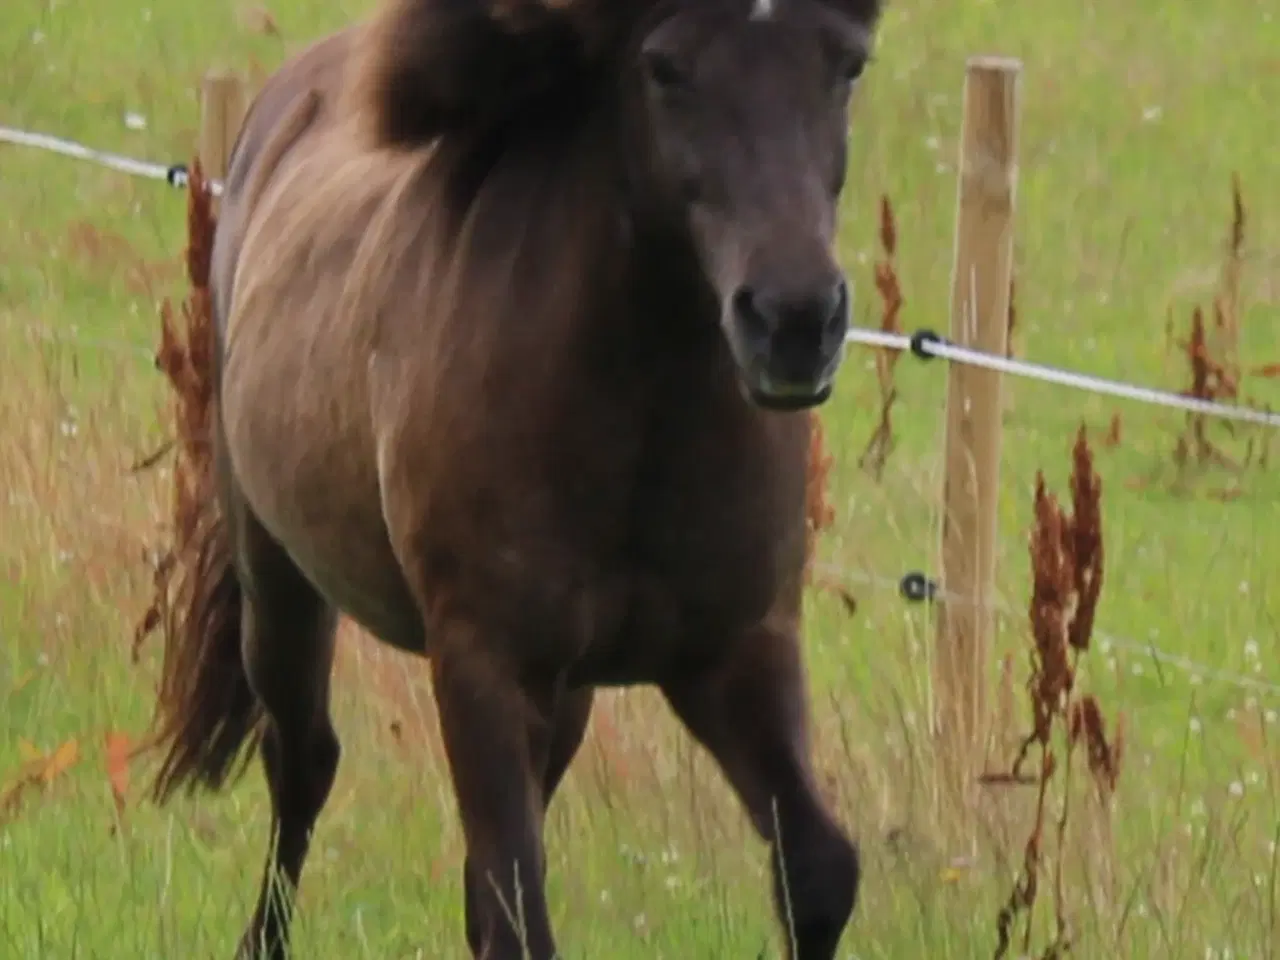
{"x": 347, "y": 558}
{"x": 361, "y": 578}
{"x": 381, "y": 604}
{"x": 315, "y": 489}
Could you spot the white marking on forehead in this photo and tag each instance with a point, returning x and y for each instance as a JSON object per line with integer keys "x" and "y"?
{"x": 762, "y": 9}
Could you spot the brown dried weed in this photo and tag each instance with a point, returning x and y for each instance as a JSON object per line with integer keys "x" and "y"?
{"x": 881, "y": 444}
{"x": 185, "y": 358}
{"x": 1216, "y": 371}
{"x": 1067, "y": 562}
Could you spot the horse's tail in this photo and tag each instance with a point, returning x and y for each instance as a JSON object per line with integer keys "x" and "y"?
{"x": 206, "y": 713}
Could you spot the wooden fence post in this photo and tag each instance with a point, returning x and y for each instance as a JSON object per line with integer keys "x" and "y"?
{"x": 222, "y": 109}
{"x": 982, "y": 269}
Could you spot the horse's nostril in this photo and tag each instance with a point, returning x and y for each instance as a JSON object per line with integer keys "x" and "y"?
{"x": 837, "y": 306}
{"x": 756, "y": 323}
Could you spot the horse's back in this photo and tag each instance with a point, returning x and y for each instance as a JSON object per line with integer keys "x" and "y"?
{"x": 295, "y": 101}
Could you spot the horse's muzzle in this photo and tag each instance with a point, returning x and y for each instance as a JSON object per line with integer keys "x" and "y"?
{"x": 788, "y": 348}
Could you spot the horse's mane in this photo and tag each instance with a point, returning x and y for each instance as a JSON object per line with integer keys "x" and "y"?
{"x": 426, "y": 67}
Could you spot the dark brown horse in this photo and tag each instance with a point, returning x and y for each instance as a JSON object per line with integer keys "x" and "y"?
{"x": 520, "y": 305}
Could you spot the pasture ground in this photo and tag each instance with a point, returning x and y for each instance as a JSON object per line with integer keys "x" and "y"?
{"x": 1135, "y": 117}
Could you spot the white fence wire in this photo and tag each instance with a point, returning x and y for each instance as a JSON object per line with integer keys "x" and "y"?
{"x": 924, "y": 344}
{"x": 931, "y": 345}
{"x": 915, "y": 587}
{"x": 174, "y": 174}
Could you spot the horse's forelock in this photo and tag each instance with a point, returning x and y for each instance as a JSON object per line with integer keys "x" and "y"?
{"x": 427, "y": 67}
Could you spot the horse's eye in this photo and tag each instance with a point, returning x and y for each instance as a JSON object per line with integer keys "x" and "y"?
{"x": 663, "y": 71}
{"x": 850, "y": 67}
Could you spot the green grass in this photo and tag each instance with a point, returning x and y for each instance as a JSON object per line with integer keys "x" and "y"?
{"x": 1135, "y": 116}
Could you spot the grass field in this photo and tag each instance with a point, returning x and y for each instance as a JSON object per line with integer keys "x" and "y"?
{"x": 1135, "y": 117}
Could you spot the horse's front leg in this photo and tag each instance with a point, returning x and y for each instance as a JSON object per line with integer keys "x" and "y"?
{"x": 498, "y": 732}
{"x": 748, "y": 707}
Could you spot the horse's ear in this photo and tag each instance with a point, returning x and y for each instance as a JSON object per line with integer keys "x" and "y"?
{"x": 429, "y": 66}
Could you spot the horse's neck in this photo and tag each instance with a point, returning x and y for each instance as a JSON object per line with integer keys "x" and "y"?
{"x": 666, "y": 280}
{"x": 670, "y": 321}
